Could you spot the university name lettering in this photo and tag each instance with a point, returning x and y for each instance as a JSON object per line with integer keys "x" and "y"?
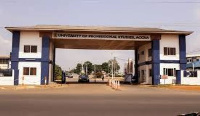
{"x": 101, "y": 36}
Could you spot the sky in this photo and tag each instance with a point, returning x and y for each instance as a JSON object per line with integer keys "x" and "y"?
{"x": 166, "y": 14}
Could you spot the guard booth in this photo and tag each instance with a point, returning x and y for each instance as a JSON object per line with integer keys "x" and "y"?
{"x": 156, "y": 50}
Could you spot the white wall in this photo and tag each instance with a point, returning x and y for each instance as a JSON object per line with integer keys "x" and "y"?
{"x": 169, "y": 41}
{"x": 30, "y": 38}
{"x": 31, "y": 80}
{"x": 7, "y": 80}
{"x": 190, "y": 80}
{"x": 144, "y": 57}
{"x": 148, "y": 78}
{"x": 4, "y": 66}
{"x": 170, "y": 78}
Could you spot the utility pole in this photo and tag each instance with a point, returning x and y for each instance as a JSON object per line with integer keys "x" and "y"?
{"x": 86, "y": 69}
{"x": 112, "y": 69}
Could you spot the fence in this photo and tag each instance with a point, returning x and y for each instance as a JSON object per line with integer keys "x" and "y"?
{"x": 190, "y": 77}
{"x": 7, "y": 77}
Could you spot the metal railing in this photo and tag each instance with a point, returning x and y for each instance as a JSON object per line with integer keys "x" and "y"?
{"x": 190, "y": 74}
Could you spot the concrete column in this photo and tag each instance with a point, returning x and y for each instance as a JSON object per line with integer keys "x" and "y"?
{"x": 136, "y": 66}
{"x": 156, "y": 62}
{"x": 15, "y": 56}
{"x": 45, "y": 59}
{"x": 54, "y": 62}
{"x": 182, "y": 52}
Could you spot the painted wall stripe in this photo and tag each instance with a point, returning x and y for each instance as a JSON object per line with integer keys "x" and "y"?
{"x": 161, "y": 61}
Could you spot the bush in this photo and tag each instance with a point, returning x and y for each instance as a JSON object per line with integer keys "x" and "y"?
{"x": 59, "y": 78}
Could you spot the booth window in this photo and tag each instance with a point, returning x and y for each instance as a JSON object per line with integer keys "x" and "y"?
{"x": 149, "y": 53}
{"x": 29, "y": 71}
{"x": 26, "y": 71}
{"x": 32, "y": 71}
{"x": 142, "y": 53}
{"x": 27, "y": 49}
{"x": 150, "y": 72}
{"x": 169, "y": 71}
{"x": 169, "y": 51}
{"x": 33, "y": 49}
{"x": 30, "y": 49}
{"x": 4, "y": 61}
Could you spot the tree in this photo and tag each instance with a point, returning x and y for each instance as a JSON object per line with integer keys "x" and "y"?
{"x": 58, "y": 72}
{"x": 89, "y": 66}
{"x": 78, "y": 68}
{"x": 116, "y": 66}
{"x": 105, "y": 67}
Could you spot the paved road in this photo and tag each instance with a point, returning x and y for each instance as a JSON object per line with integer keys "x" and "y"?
{"x": 97, "y": 100}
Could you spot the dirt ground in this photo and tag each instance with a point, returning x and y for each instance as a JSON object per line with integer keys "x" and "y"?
{"x": 180, "y": 87}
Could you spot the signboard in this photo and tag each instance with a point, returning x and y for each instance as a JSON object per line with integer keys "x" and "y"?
{"x": 62, "y": 35}
{"x": 164, "y": 77}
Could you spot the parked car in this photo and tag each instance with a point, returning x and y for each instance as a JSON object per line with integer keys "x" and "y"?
{"x": 69, "y": 76}
{"x": 83, "y": 78}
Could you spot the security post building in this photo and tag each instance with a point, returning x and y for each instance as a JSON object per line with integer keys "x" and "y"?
{"x": 157, "y": 51}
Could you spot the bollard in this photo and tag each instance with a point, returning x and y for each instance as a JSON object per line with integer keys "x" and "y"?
{"x": 118, "y": 85}
{"x": 112, "y": 84}
{"x": 108, "y": 82}
{"x": 22, "y": 80}
{"x": 115, "y": 84}
{"x": 45, "y": 81}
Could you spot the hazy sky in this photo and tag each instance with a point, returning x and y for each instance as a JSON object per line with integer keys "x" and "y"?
{"x": 166, "y": 14}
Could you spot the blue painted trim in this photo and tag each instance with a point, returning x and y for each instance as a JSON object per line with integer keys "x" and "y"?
{"x": 15, "y": 55}
{"x": 178, "y": 76}
{"x": 161, "y": 61}
{"x": 182, "y": 48}
{"x": 155, "y": 62}
{"x": 170, "y": 61}
{"x": 136, "y": 66}
{"x": 30, "y": 59}
{"x": 45, "y": 59}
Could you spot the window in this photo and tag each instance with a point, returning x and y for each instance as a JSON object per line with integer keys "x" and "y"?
{"x": 26, "y": 71}
{"x": 29, "y": 71}
{"x": 32, "y": 71}
{"x": 169, "y": 71}
{"x": 27, "y": 49}
{"x": 142, "y": 53}
{"x": 149, "y": 53}
{"x": 150, "y": 72}
{"x": 4, "y": 61}
{"x": 169, "y": 51}
{"x": 30, "y": 49}
{"x": 33, "y": 49}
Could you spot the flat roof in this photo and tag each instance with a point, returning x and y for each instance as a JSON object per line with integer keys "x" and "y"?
{"x": 4, "y": 57}
{"x": 97, "y": 29}
{"x": 192, "y": 55}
